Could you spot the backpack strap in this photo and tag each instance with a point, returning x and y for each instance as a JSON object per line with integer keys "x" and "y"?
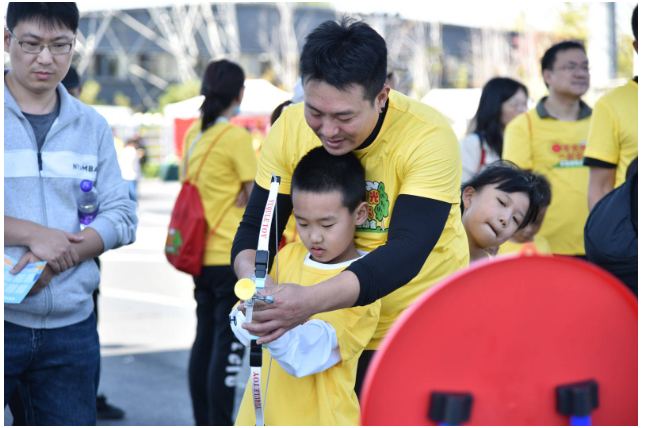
{"x": 482, "y": 161}
{"x": 201, "y": 165}
{"x": 214, "y": 229}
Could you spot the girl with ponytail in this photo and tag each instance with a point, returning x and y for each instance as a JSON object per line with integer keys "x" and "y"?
{"x": 219, "y": 160}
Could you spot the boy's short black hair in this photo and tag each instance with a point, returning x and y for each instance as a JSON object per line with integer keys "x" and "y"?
{"x": 510, "y": 178}
{"x": 50, "y": 15}
{"x": 345, "y": 53}
{"x": 548, "y": 60}
{"x": 320, "y": 172}
{"x": 635, "y": 22}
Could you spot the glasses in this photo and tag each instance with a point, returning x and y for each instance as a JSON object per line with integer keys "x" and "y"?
{"x": 570, "y": 68}
{"x": 35, "y": 48}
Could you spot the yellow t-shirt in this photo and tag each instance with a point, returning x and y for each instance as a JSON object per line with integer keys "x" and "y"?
{"x": 540, "y": 243}
{"x": 613, "y": 135}
{"x": 415, "y": 153}
{"x": 231, "y": 163}
{"x": 555, "y": 148}
{"x": 325, "y": 398}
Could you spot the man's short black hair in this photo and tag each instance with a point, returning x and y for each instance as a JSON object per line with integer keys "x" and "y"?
{"x": 345, "y": 53}
{"x": 50, "y": 15}
{"x": 635, "y": 22}
{"x": 548, "y": 60}
{"x": 510, "y": 178}
{"x": 320, "y": 172}
{"x": 549, "y": 56}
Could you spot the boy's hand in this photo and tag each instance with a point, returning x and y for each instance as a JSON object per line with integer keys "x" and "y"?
{"x": 55, "y": 247}
{"x": 290, "y": 309}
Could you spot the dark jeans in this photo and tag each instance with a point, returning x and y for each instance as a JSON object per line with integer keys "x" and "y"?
{"x": 55, "y": 371}
{"x": 216, "y": 357}
{"x": 363, "y": 363}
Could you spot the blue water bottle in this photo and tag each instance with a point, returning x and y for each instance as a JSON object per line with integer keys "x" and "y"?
{"x": 87, "y": 204}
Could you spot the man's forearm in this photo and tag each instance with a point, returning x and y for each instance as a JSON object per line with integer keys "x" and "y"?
{"x": 19, "y": 232}
{"x": 92, "y": 246}
{"x": 244, "y": 265}
{"x": 601, "y": 182}
{"x": 338, "y": 292}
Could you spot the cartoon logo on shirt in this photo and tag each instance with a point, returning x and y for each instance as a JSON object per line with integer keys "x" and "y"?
{"x": 379, "y": 208}
{"x": 571, "y": 155}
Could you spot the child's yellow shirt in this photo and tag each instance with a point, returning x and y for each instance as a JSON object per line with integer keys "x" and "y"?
{"x": 325, "y": 398}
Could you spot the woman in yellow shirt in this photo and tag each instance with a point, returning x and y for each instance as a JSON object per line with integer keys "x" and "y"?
{"x": 219, "y": 160}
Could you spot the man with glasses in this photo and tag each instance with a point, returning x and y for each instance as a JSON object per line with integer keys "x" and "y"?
{"x": 551, "y": 140}
{"x": 51, "y": 143}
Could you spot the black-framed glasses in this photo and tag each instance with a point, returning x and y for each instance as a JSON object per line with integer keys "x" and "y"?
{"x": 36, "y": 48}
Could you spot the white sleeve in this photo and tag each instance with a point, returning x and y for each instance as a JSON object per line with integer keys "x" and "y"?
{"x": 471, "y": 156}
{"x": 307, "y": 349}
{"x": 302, "y": 351}
{"x": 236, "y": 318}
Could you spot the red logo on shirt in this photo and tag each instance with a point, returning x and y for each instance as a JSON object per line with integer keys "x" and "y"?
{"x": 570, "y": 155}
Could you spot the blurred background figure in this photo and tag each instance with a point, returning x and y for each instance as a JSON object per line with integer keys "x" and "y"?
{"x": 551, "y": 139}
{"x": 391, "y": 79}
{"x": 219, "y": 160}
{"x": 502, "y": 99}
{"x": 72, "y": 83}
{"x": 613, "y": 137}
{"x": 130, "y": 167}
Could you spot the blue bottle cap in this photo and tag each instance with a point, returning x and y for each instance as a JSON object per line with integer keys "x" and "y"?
{"x": 86, "y": 186}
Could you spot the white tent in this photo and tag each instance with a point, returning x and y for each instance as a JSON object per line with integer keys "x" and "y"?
{"x": 260, "y": 97}
{"x": 457, "y": 105}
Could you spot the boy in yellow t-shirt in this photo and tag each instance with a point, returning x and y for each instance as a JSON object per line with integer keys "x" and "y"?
{"x": 313, "y": 382}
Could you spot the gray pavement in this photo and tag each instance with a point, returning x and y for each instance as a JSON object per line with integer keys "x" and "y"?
{"x": 147, "y": 322}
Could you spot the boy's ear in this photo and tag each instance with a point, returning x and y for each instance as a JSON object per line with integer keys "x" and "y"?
{"x": 361, "y": 212}
{"x": 467, "y": 197}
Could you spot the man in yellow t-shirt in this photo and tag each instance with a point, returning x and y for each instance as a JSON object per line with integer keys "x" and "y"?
{"x": 613, "y": 137}
{"x": 551, "y": 139}
{"x": 413, "y": 169}
{"x": 312, "y": 379}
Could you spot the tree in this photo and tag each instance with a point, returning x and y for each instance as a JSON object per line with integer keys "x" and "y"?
{"x": 625, "y": 60}
{"x": 121, "y": 99}
{"x": 573, "y": 21}
{"x": 89, "y": 94}
{"x": 179, "y": 92}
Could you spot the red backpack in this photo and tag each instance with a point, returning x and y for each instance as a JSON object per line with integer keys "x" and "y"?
{"x": 187, "y": 238}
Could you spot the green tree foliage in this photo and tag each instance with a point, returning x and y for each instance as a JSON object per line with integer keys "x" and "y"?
{"x": 572, "y": 22}
{"x": 180, "y": 92}
{"x": 625, "y": 54}
{"x": 90, "y": 93}
{"x": 382, "y": 210}
{"x": 121, "y": 99}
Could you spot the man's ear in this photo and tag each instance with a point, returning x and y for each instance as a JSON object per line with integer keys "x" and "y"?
{"x": 381, "y": 98}
{"x": 467, "y": 197}
{"x": 361, "y": 212}
{"x": 547, "y": 74}
{"x": 636, "y": 45}
{"x": 7, "y": 39}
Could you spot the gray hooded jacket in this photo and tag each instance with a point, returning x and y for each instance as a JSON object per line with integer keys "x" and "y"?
{"x": 43, "y": 186}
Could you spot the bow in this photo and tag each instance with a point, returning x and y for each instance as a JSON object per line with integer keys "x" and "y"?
{"x": 247, "y": 290}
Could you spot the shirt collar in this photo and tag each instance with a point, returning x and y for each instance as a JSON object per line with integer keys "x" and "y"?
{"x": 585, "y": 110}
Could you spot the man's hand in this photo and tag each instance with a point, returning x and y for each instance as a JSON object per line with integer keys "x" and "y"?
{"x": 290, "y": 309}
{"x": 55, "y": 247}
{"x": 44, "y": 278}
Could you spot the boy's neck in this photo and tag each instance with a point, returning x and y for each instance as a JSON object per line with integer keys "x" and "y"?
{"x": 30, "y": 102}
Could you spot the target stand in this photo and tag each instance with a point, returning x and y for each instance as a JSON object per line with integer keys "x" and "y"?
{"x": 518, "y": 340}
